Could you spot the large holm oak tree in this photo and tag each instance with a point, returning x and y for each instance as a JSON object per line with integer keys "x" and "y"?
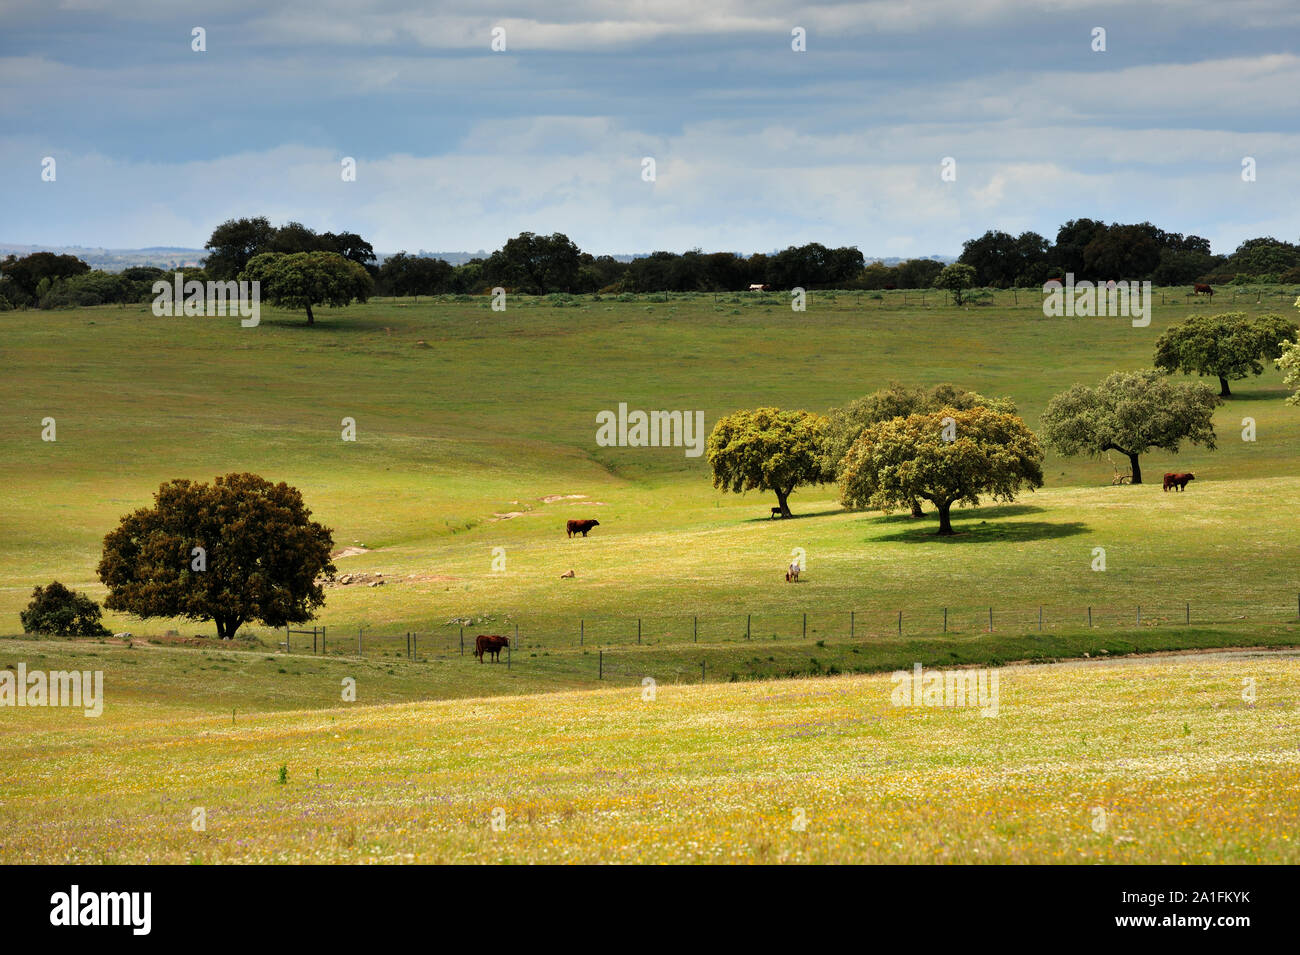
{"x": 946, "y": 456}
{"x": 238, "y": 550}
{"x": 1131, "y": 412}
{"x": 897, "y": 400}
{"x": 307, "y": 279}
{"x": 766, "y": 449}
{"x": 1228, "y": 346}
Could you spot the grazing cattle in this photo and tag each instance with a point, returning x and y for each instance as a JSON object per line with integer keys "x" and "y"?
{"x": 792, "y": 575}
{"x": 490, "y": 644}
{"x": 1200, "y": 289}
{"x": 567, "y": 574}
{"x": 575, "y": 527}
{"x": 758, "y": 288}
{"x": 776, "y": 512}
{"x": 1178, "y": 480}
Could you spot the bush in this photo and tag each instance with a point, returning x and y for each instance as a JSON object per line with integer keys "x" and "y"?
{"x": 62, "y": 612}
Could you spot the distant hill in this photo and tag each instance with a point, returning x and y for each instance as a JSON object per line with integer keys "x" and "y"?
{"x": 115, "y": 260}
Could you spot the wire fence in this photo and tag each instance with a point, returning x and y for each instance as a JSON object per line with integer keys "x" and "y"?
{"x": 593, "y": 633}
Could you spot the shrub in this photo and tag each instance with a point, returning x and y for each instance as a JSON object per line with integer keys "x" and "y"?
{"x": 62, "y": 612}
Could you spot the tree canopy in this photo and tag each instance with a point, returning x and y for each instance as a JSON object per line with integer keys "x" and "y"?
{"x": 235, "y": 242}
{"x": 62, "y": 612}
{"x": 1228, "y": 346}
{"x": 259, "y": 560}
{"x": 307, "y": 279}
{"x": 536, "y": 263}
{"x": 766, "y": 449}
{"x": 1130, "y": 412}
{"x": 897, "y": 400}
{"x": 946, "y": 456}
{"x": 956, "y": 278}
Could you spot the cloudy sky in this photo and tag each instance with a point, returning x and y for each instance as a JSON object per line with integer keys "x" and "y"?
{"x": 756, "y": 146}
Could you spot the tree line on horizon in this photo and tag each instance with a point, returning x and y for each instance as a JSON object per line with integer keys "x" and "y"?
{"x": 537, "y": 264}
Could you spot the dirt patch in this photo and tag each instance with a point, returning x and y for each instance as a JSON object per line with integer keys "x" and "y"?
{"x": 350, "y": 552}
{"x": 509, "y": 515}
{"x": 431, "y": 578}
{"x": 552, "y": 498}
{"x": 356, "y": 580}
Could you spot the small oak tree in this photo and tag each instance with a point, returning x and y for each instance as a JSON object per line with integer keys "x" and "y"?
{"x": 944, "y": 457}
{"x": 240, "y": 549}
{"x": 767, "y": 449}
{"x": 1227, "y": 346}
{"x": 1130, "y": 412}
{"x": 307, "y": 279}
{"x": 956, "y": 278}
{"x": 62, "y": 612}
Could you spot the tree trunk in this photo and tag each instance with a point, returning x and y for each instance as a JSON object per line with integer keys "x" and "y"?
{"x": 945, "y": 525}
{"x": 1224, "y": 390}
{"x": 226, "y": 626}
{"x": 311, "y": 319}
{"x": 783, "y": 499}
{"x": 916, "y": 508}
{"x": 1137, "y": 468}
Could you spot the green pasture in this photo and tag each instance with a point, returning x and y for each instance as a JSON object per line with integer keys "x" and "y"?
{"x": 469, "y": 419}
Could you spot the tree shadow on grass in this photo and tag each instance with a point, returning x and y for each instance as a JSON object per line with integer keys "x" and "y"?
{"x": 983, "y": 526}
{"x": 983, "y": 513}
{"x": 1261, "y": 394}
{"x": 795, "y": 517}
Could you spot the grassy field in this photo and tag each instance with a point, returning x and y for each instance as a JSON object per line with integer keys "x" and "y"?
{"x": 465, "y": 415}
{"x": 1140, "y": 761}
{"x": 476, "y": 431}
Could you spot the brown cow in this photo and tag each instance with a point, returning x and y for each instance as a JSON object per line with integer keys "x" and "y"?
{"x": 574, "y": 527}
{"x": 490, "y": 644}
{"x": 1200, "y": 289}
{"x": 1178, "y": 480}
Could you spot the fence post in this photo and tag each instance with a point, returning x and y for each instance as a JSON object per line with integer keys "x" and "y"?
{"x": 945, "y": 619}
{"x": 1090, "y": 617}
{"x": 638, "y": 631}
{"x": 462, "y": 641}
{"x": 313, "y": 640}
{"x": 408, "y": 644}
{"x": 286, "y": 638}
{"x": 852, "y": 622}
{"x": 322, "y": 640}
{"x": 990, "y": 619}
{"x": 1189, "y": 613}
{"x": 415, "y": 645}
{"x": 747, "y": 620}
{"x": 600, "y": 675}
{"x": 1139, "y": 615}
{"x": 900, "y": 623}
{"x": 1040, "y": 618}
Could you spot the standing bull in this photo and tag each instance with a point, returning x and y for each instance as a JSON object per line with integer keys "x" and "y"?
{"x": 490, "y": 644}
{"x": 575, "y": 527}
